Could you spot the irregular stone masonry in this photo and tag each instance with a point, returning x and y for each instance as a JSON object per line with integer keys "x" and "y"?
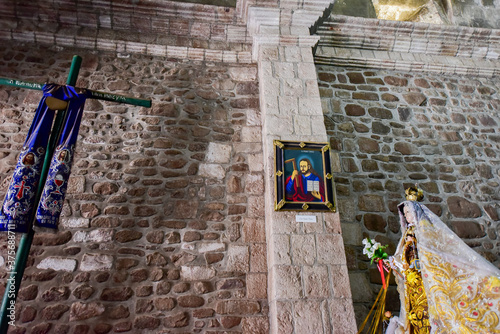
{"x": 163, "y": 226}
{"x": 395, "y": 129}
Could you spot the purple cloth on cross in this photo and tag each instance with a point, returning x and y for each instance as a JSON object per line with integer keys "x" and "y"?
{"x": 16, "y": 212}
{"x": 54, "y": 191}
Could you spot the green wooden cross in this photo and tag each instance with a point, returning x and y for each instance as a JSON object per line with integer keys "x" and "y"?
{"x": 8, "y": 305}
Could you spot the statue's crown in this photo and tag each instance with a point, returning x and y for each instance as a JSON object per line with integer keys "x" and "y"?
{"x": 414, "y": 194}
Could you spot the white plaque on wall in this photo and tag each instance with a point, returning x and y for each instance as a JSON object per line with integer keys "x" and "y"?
{"x": 305, "y": 219}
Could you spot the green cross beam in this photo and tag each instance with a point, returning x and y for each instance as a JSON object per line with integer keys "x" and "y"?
{"x": 73, "y": 74}
{"x": 8, "y": 306}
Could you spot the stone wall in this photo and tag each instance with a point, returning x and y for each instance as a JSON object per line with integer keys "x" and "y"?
{"x": 473, "y": 13}
{"x": 395, "y": 129}
{"x": 163, "y": 225}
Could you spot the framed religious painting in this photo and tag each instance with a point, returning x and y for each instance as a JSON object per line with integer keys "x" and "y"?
{"x": 303, "y": 177}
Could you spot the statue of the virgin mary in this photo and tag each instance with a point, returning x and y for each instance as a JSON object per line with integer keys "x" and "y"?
{"x": 444, "y": 286}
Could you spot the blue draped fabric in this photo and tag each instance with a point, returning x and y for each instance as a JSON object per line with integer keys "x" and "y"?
{"x": 54, "y": 191}
{"x": 18, "y": 206}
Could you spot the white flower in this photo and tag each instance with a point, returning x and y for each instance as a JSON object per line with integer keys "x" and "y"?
{"x": 367, "y": 249}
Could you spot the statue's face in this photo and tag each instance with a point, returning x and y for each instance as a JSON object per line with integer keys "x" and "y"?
{"x": 410, "y": 218}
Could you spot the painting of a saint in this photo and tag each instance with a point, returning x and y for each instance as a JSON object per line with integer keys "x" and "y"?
{"x": 29, "y": 159}
{"x": 62, "y": 156}
{"x": 303, "y": 176}
{"x": 305, "y": 184}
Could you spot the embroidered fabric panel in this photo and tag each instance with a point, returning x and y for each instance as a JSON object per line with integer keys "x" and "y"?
{"x": 54, "y": 191}
{"x": 463, "y": 289}
{"x": 17, "y": 209}
{"x": 18, "y": 205}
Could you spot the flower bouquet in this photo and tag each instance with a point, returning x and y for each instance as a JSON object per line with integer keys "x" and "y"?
{"x": 375, "y": 251}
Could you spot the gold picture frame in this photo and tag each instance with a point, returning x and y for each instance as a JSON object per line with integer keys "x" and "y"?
{"x": 303, "y": 177}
